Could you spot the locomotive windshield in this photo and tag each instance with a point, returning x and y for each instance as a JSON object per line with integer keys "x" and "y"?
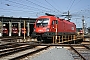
{"x": 42, "y": 22}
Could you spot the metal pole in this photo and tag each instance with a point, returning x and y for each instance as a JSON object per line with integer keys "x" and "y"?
{"x": 24, "y": 29}
{"x": 19, "y": 27}
{"x": 83, "y": 26}
{"x": 56, "y": 28}
{"x": 28, "y": 29}
{"x": 10, "y": 28}
{"x": 1, "y": 25}
{"x": 56, "y": 31}
{"x": 68, "y": 15}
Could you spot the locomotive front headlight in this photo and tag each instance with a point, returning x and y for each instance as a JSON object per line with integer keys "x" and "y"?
{"x": 47, "y": 29}
{"x": 15, "y": 28}
{"x": 5, "y": 29}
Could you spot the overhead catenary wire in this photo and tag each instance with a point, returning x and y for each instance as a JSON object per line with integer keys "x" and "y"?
{"x": 38, "y": 5}
{"x": 16, "y": 10}
{"x": 77, "y": 2}
{"x": 52, "y": 6}
{"x": 35, "y": 8}
{"x": 12, "y": 10}
{"x": 30, "y": 8}
{"x": 23, "y": 8}
{"x": 25, "y": 5}
{"x": 19, "y": 11}
{"x": 38, "y": 1}
{"x": 57, "y": 5}
{"x": 6, "y": 10}
{"x": 71, "y": 5}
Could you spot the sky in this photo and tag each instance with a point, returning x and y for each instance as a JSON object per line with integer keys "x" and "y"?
{"x": 36, "y": 8}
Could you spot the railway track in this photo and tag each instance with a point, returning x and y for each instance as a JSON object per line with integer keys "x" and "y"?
{"x": 14, "y": 51}
{"x": 17, "y": 52}
{"x": 80, "y": 52}
{"x": 10, "y": 39}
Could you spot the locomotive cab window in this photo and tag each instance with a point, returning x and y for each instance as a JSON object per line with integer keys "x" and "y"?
{"x": 54, "y": 22}
{"x": 42, "y": 22}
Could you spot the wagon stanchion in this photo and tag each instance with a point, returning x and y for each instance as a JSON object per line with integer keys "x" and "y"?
{"x": 62, "y": 38}
{"x": 74, "y": 38}
{"x": 68, "y": 38}
{"x": 71, "y": 37}
{"x": 59, "y": 40}
{"x": 53, "y": 39}
{"x": 65, "y": 38}
{"x": 56, "y": 37}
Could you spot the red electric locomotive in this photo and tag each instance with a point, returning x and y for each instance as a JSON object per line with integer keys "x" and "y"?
{"x": 14, "y": 30}
{"x": 46, "y": 27}
{"x": 5, "y": 30}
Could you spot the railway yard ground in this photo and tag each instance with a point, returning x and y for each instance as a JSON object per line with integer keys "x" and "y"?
{"x": 16, "y": 48}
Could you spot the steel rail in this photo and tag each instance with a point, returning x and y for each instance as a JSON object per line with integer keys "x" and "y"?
{"x": 77, "y": 52}
{"x": 12, "y": 51}
{"x": 86, "y": 47}
{"x": 30, "y": 53}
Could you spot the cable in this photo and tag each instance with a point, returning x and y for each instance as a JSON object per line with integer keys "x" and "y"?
{"x": 25, "y": 5}
{"x": 77, "y": 2}
{"x": 30, "y": 12}
{"x": 23, "y": 10}
{"x": 38, "y": 5}
{"x": 40, "y": 2}
{"x": 51, "y": 5}
{"x": 10, "y": 10}
{"x": 56, "y": 4}
{"x": 37, "y": 9}
{"x": 71, "y": 5}
{"x": 28, "y": 6}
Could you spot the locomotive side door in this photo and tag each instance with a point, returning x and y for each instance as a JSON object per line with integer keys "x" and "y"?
{"x": 54, "y": 23}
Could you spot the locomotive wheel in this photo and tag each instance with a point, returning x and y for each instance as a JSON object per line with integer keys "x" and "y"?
{"x": 45, "y": 40}
{"x": 39, "y": 39}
